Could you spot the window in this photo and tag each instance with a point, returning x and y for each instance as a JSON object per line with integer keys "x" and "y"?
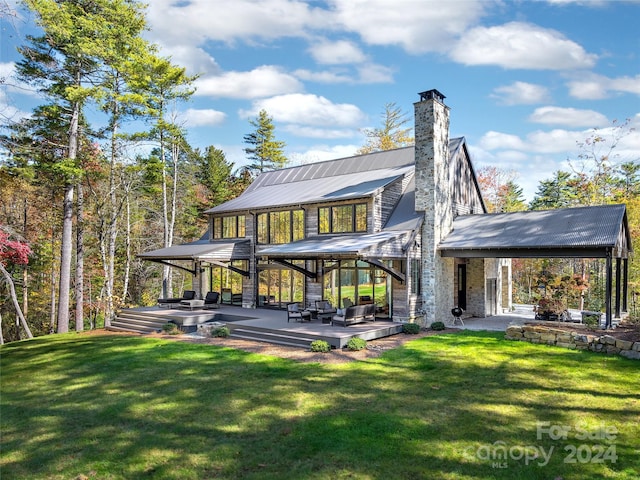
{"x": 280, "y": 227}
{"x": 343, "y": 218}
{"x": 416, "y": 276}
{"x": 229, "y": 227}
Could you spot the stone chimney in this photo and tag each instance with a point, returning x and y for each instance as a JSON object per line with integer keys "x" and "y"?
{"x": 433, "y": 196}
{"x": 433, "y": 185}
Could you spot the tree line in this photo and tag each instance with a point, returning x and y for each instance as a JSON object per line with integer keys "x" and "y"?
{"x": 103, "y": 169}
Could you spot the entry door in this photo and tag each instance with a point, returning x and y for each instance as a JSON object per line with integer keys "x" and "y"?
{"x": 462, "y": 286}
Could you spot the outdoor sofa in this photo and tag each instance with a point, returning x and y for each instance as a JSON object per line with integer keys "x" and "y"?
{"x": 356, "y": 314}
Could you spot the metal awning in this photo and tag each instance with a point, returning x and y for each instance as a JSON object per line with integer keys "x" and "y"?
{"x": 202, "y": 250}
{"x": 369, "y": 247}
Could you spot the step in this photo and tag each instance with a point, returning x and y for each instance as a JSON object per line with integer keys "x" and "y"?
{"x": 118, "y": 328}
{"x": 272, "y": 337}
{"x": 157, "y": 324}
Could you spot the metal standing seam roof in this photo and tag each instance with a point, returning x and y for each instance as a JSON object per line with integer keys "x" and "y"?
{"x": 332, "y": 180}
{"x": 199, "y": 250}
{"x": 596, "y": 227}
{"x": 339, "y": 245}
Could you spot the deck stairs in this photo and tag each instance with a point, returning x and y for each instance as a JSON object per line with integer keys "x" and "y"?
{"x": 137, "y": 322}
{"x": 270, "y": 335}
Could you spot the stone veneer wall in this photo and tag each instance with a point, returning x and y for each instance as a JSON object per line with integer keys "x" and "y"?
{"x": 475, "y": 288}
{"x": 574, "y": 340}
{"x": 433, "y": 197}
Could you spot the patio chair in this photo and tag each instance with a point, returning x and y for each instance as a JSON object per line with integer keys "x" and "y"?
{"x": 346, "y": 302}
{"x": 212, "y": 300}
{"x": 325, "y": 311}
{"x": 324, "y": 306}
{"x": 186, "y": 295}
{"x": 294, "y": 313}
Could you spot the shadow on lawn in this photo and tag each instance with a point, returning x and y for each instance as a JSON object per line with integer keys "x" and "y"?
{"x": 129, "y": 407}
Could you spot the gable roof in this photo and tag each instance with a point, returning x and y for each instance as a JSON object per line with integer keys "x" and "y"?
{"x": 341, "y": 179}
{"x": 347, "y": 178}
{"x": 587, "y": 232}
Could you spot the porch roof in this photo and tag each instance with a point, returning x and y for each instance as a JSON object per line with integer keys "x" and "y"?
{"x": 201, "y": 250}
{"x": 581, "y": 232}
{"x": 384, "y": 244}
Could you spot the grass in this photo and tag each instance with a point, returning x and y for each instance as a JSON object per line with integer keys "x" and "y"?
{"x": 440, "y": 407}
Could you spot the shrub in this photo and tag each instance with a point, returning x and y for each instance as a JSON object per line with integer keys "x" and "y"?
{"x": 320, "y": 346}
{"x": 437, "y": 326}
{"x": 592, "y": 321}
{"x": 221, "y": 332}
{"x": 171, "y": 329}
{"x": 411, "y": 328}
{"x": 356, "y": 344}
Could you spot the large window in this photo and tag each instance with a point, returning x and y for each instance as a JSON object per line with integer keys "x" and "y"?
{"x": 343, "y": 218}
{"x": 227, "y": 282}
{"x": 280, "y": 227}
{"x": 229, "y": 227}
{"x": 348, "y": 282}
{"x": 278, "y": 286}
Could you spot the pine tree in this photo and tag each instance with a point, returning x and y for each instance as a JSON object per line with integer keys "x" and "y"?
{"x": 558, "y": 192}
{"x": 264, "y": 150}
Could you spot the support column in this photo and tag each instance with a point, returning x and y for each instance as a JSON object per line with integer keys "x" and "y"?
{"x": 609, "y": 290}
{"x": 625, "y": 284}
{"x": 618, "y": 275}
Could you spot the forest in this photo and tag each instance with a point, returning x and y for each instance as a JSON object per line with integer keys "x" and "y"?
{"x": 81, "y": 196}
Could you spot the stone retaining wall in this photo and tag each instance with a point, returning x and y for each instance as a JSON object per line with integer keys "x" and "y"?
{"x": 574, "y": 340}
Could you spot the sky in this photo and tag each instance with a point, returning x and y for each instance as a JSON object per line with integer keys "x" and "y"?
{"x": 526, "y": 81}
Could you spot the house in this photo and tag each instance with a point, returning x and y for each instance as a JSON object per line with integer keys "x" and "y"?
{"x": 382, "y": 227}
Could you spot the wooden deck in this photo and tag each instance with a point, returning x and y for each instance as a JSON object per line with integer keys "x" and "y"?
{"x": 253, "y": 324}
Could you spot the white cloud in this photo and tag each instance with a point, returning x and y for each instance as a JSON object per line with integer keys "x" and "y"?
{"x": 521, "y": 45}
{"x": 262, "y": 81}
{"x": 367, "y": 73}
{"x": 307, "y": 109}
{"x": 417, "y": 27}
{"x": 314, "y": 132}
{"x": 338, "y": 52}
{"x": 553, "y": 141}
{"x": 200, "y": 117}
{"x": 571, "y": 117}
{"x": 520, "y": 93}
{"x": 194, "y": 59}
{"x": 597, "y": 87}
{"x": 321, "y": 153}
{"x": 501, "y": 141}
{"x": 326, "y": 76}
{"x": 374, "y": 73}
{"x": 232, "y": 20}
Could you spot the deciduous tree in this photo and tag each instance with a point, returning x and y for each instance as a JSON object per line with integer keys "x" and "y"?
{"x": 392, "y": 134}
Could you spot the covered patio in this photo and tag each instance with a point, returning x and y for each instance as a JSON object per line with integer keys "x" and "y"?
{"x": 581, "y": 232}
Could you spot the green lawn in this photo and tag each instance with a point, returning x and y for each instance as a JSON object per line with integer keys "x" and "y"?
{"x": 111, "y": 407}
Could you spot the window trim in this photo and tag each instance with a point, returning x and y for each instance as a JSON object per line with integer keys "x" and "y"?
{"x": 219, "y": 223}
{"x": 354, "y": 218}
{"x": 293, "y": 234}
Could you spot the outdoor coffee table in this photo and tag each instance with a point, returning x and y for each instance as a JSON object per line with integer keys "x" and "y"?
{"x": 191, "y": 304}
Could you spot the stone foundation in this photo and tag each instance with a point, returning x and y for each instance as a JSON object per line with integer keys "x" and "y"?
{"x": 574, "y": 340}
